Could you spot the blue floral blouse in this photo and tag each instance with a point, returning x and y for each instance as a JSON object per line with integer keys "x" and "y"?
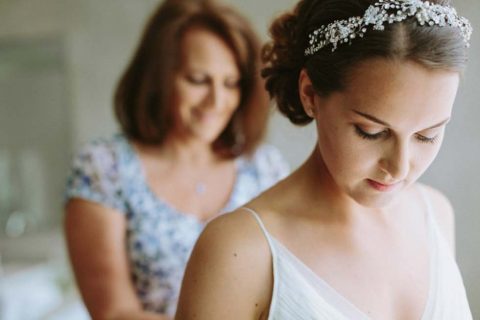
{"x": 159, "y": 238}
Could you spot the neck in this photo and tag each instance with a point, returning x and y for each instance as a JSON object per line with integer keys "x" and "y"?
{"x": 192, "y": 153}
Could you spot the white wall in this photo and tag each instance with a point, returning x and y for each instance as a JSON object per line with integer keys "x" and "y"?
{"x": 33, "y": 126}
{"x": 456, "y": 171}
{"x": 99, "y": 38}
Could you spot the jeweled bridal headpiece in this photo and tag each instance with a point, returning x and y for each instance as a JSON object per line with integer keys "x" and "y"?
{"x": 387, "y": 12}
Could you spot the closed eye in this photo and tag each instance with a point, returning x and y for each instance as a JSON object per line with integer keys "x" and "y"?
{"x": 425, "y": 139}
{"x": 232, "y": 83}
{"x": 374, "y": 136}
{"x": 370, "y": 136}
{"x": 197, "y": 78}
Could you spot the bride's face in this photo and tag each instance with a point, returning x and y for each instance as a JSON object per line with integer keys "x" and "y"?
{"x": 380, "y": 134}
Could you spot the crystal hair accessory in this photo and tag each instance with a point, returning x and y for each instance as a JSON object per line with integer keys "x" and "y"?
{"x": 387, "y": 12}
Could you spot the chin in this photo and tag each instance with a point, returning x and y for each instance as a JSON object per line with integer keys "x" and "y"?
{"x": 374, "y": 197}
{"x": 205, "y": 134}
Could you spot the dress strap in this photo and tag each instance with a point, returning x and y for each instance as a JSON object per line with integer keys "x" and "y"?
{"x": 267, "y": 235}
{"x": 273, "y": 251}
{"x": 433, "y": 253}
{"x": 426, "y": 200}
{"x": 260, "y": 223}
{"x": 432, "y": 227}
{"x": 430, "y": 217}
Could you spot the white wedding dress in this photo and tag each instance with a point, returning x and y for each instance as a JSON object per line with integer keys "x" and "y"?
{"x": 299, "y": 294}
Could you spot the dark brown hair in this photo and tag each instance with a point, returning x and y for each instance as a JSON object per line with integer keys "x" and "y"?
{"x": 433, "y": 47}
{"x": 143, "y": 95}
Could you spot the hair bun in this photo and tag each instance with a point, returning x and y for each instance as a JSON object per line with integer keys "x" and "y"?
{"x": 283, "y": 58}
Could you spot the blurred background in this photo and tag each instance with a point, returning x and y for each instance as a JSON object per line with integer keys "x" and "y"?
{"x": 59, "y": 63}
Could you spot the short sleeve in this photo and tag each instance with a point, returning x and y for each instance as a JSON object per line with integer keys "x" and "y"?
{"x": 95, "y": 176}
{"x": 271, "y": 166}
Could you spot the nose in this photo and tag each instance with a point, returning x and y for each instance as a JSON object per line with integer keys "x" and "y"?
{"x": 396, "y": 161}
{"x": 216, "y": 96}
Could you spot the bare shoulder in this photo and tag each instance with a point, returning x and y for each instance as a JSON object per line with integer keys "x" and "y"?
{"x": 443, "y": 211}
{"x": 236, "y": 234}
{"x": 229, "y": 272}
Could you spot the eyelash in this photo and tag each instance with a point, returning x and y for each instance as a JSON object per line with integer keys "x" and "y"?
{"x": 202, "y": 81}
{"x": 194, "y": 80}
{"x": 367, "y": 136}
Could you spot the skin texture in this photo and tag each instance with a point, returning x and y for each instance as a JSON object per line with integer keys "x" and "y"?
{"x": 206, "y": 87}
{"x": 206, "y": 93}
{"x": 367, "y": 241}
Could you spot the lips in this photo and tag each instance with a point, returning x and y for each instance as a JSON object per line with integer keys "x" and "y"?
{"x": 382, "y": 186}
{"x": 205, "y": 116}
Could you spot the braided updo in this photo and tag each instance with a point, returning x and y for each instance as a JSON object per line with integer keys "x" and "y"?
{"x": 431, "y": 46}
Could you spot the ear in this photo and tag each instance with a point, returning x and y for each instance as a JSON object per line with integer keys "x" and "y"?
{"x": 307, "y": 93}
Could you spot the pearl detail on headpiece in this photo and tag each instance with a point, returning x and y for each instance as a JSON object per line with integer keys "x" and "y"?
{"x": 387, "y": 12}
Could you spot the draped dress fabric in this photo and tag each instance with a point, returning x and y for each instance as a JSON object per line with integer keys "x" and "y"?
{"x": 159, "y": 238}
{"x": 299, "y": 294}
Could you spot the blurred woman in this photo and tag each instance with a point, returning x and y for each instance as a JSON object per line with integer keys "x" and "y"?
{"x": 192, "y": 114}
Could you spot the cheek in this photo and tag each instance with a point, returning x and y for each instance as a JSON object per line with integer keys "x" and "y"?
{"x": 343, "y": 153}
{"x": 189, "y": 96}
{"x": 424, "y": 156}
{"x": 177, "y": 99}
{"x": 233, "y": 100}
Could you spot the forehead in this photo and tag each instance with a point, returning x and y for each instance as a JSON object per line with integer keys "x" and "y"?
{"x": 201, "y": 48}
{"x": 401, "y": 90}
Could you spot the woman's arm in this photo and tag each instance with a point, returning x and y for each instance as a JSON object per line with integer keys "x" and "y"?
{"x": 95, "y": 238}
{"x": 229, "y": 272}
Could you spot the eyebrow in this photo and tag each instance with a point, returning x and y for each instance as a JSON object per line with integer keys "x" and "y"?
{"x": 374, "y": 119}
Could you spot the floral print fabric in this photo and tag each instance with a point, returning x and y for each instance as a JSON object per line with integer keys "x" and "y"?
{"x": 159, "y": 238}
